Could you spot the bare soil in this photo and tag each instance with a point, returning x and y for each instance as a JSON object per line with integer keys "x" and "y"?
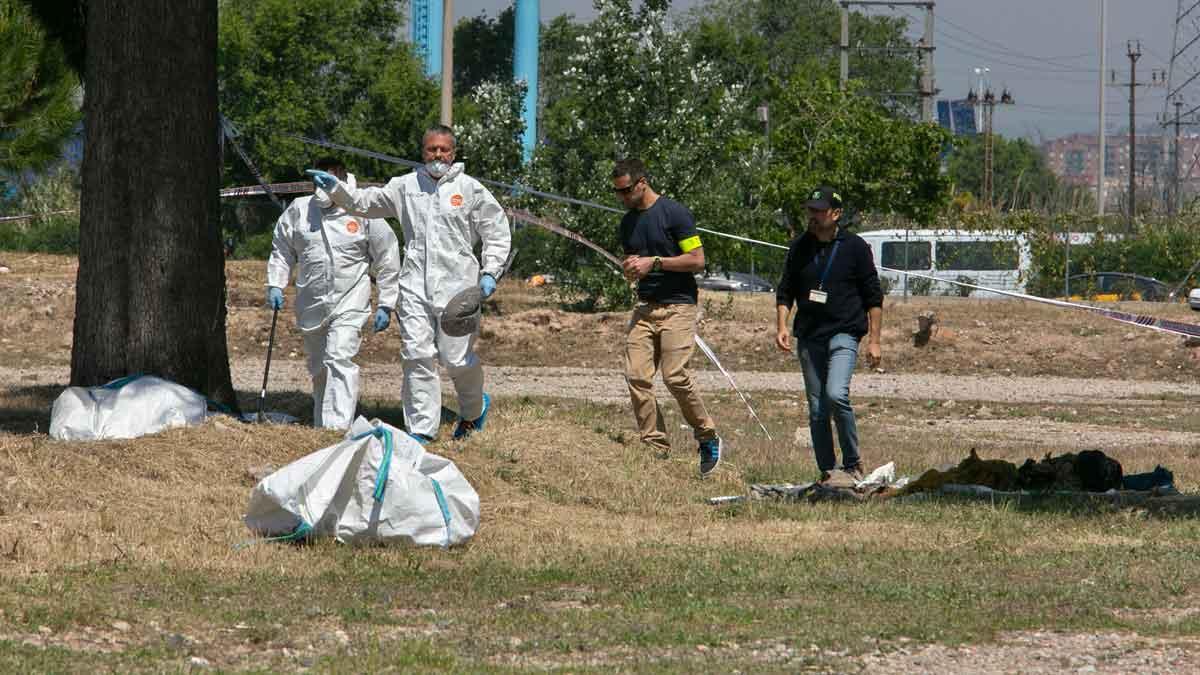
{"x": 526, "y": 327}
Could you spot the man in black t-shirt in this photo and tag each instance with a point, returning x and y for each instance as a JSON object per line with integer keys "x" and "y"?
{"x": 662, "y": 254}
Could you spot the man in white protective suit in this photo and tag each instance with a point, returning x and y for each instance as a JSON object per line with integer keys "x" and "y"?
{"x": 334, "y": 254}
{"x": 444, "y": 213}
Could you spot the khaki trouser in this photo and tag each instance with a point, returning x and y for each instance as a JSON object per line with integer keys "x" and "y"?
{"x": 662, "y": 337}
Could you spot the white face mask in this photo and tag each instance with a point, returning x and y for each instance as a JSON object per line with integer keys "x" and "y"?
{"x": 437, "y": 168}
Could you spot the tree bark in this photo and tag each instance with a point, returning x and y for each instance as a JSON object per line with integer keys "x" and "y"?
{"x": 150, "y": 292}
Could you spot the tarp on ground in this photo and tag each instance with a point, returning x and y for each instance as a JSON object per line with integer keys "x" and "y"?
{"x": 126, "y": 408}
{"x": 376, "y": 486}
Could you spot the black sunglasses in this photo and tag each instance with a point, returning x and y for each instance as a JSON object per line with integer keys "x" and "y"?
{"x": 627, "y": 188}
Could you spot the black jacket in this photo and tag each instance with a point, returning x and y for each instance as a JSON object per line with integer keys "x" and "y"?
{"x": 852, "y": 285}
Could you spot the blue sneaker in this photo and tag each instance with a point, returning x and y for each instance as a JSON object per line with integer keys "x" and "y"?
{"x": 420, "y": 438}
{"x": 710, "y": 455}
{"x": 467, "y": 427}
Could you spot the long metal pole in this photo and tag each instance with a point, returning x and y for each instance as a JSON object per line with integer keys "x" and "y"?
{"x": 525, "y": 68}
{"x": 447, "y": 117}
{"x": 927, "y": 90}
{"x": 1133, "y": 58}
{"x": 844, "y": 46}
{"x": 1174, "y": 204}
{"x": 1102, "y": 132}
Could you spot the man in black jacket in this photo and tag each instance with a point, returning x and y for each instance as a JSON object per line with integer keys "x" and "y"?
{"x": 830, "y": 276}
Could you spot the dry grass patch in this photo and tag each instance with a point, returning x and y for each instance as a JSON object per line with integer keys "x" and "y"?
{"x": 592, "y": 554}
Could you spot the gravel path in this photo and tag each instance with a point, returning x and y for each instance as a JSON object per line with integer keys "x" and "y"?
{"x": 1045, "y": 652}
{"x": 608, "y": 385}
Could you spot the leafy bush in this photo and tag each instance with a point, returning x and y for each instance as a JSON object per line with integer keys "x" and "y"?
{"x": 962, "y": 291}
{"x": 919, "y": 286}
{"x": 254, "y": 247}
{"x": 53, "y": 234}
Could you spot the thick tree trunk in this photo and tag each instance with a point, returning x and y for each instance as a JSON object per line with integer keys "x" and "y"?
{"x": 151, "y": 285}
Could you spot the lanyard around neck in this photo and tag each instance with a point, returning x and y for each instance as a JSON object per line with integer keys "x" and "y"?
{"x": 828, "y": 263}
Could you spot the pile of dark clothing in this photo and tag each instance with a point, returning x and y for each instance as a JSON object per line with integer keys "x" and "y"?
{"x": 1088, "y": 471}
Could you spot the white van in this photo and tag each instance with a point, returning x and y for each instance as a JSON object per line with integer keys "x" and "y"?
{"x": 997, "y": 259}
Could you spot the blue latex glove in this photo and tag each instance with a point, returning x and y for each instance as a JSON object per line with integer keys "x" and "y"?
{"x": 323, "y": 179}
{"x": 383, "y": 318}
{"x": 487, "y": 284}
{"x": 275, "y": 297}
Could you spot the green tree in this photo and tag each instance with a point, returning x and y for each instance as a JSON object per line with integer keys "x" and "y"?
{"x": 633, "y": 87}
{"x": 39, "y": 93}
{"x": 489, "y": 127}
{"x": 558, "y": 41}
{"x": 757, "y": 42}
{"x": 483, "y": 50}
{"x": 879, "y": 162}
{"x": 338, "y": 71}
{"x": 1020, "y": 175}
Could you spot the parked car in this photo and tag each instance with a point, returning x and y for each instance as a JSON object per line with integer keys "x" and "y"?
{"x": 733, "y": 281}
{"x": 1194, "y": 299}
{"x": 1118, "y": 286}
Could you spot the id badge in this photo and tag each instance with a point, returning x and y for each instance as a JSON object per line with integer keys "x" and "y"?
{"x": 818, "y": 297}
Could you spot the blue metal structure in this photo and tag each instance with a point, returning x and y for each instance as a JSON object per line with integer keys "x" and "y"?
{"x": 525, "y": 65}
{"x": 427, "y": 34}
{"x": 957, "y": 116}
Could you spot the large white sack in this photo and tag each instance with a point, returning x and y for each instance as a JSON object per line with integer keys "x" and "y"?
{"x": 378, "y": 485}
{"x": 125, "y": 408}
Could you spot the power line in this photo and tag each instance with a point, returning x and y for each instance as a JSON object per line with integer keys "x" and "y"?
{"x": 1009, "y": 50}
{"x": 970, "y": 49}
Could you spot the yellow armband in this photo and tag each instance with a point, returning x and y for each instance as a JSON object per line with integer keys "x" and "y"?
{"x": 690, "y": 244}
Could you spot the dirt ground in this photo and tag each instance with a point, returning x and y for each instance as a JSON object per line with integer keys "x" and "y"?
{"x": 525, "y": 327}
{"x": 1015, "y": 377}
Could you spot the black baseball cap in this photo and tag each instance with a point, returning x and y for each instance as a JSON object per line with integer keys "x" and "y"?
{"x": 824, "y": 198}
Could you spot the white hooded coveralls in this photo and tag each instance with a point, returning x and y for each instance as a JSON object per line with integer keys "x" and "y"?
{"x": 336, "y": 253}
{"x": 442, "y": 219}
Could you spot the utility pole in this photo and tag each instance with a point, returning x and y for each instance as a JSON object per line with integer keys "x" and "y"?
{"x": 1175, "y": 191}
{"x": 1173, "y": 206}
{"x": 1100, "y": 173}
{"x": 926, "y": 88}
{"x": 447, "y": 116}
{"x": 1158, "y": 78}
{"x": 844, "y": 72}
{"x": 1134, "y": 55}
{"x": 988, "y": 101}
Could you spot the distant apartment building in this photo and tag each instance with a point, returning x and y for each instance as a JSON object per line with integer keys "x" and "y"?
{"x": 1076, "y": 160}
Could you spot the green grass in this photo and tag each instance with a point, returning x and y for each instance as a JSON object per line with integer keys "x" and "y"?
{"x": 592, "y": 556}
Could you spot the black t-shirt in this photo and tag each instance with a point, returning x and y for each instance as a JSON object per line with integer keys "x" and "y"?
{"x": 666, "y": 229}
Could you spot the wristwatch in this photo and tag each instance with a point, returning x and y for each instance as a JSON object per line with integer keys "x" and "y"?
{"x": 657, "y": 266}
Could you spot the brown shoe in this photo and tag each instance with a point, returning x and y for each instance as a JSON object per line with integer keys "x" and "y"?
{"x": 855, "y": 472}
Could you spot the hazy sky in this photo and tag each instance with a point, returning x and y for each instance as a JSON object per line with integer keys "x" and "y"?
{"x": 1045, "y": 51}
